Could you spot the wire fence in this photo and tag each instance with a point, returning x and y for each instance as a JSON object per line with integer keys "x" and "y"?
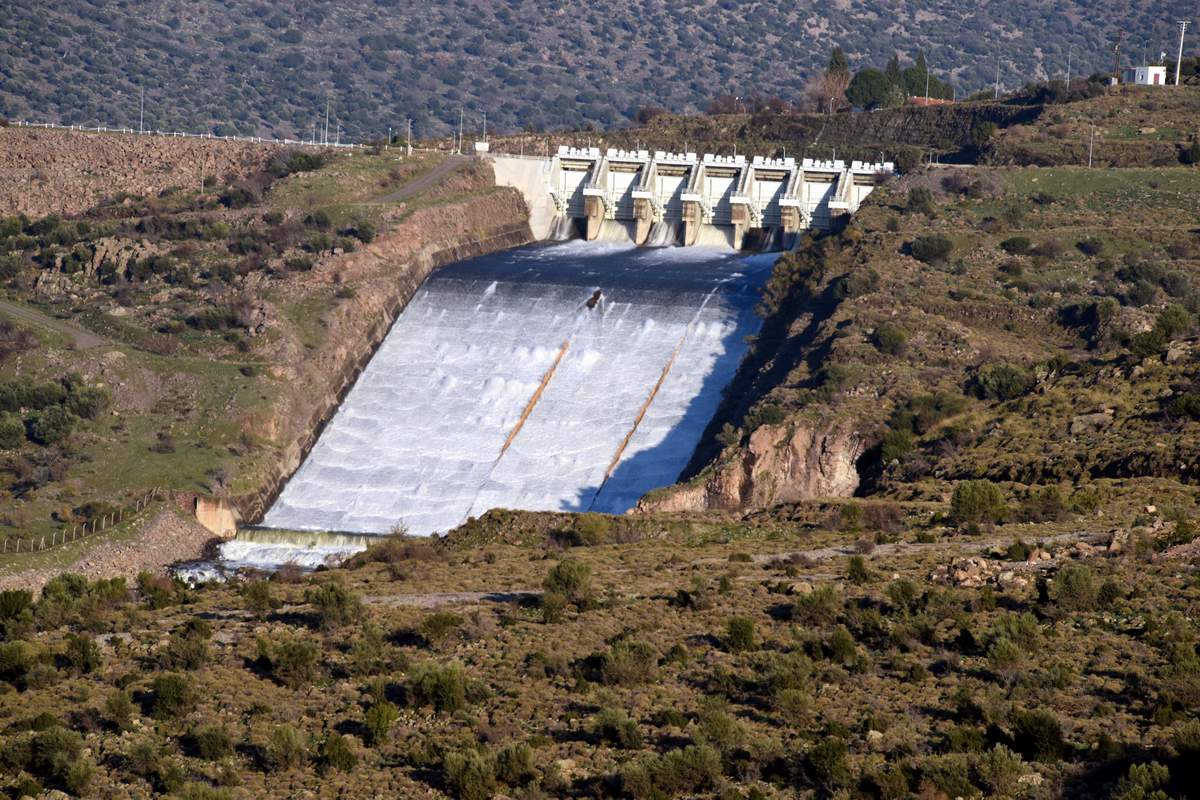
{"x": 182, "y": 134}
{"x": 96, "y": 525}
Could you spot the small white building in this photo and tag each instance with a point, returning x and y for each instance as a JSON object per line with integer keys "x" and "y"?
{"x": 1146, "y": 76}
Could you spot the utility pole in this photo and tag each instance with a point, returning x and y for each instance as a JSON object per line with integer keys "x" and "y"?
{"x": 1179, "y": 61}
{"x": 485, "y": 126}
{"x": 325, "y": 135}
{"x": 997, "y": 97}
{"x": 389, "y": 138}
{"x": 460, "y": 129}
{"x": 1091, "y": 144}
{"x": 409, "y": 145}
{"x": 142, "y": 109}
{"x": 1070, "y": 52}
{"x": 927, "y": 80}
{"x": 1117, "y": 58}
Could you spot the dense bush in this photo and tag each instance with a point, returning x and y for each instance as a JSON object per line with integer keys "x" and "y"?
{"x": 978, "y": 502}
{"x": 1017, "y": 245}
{"x": 690, "y": 770}
{"x": 291, "y": 660}
{"x": 1075, "y": 589}
{"x": 50, "y": 426}
{"x": 334, "y": 605}
{"x": 212, "y": 742}
{"x": 378, "y": 721}
{"x": 1000, "y": 381}
{"x": 570, "y": 579}
{"x": 439, "y": 625}
{"x": 286, "y": 749}
{"x": 739, "y": 634}
{"x": 442, "y": 686}
{"x": 337, "y": 754}
{"x": 889, "y": 339}
{"x": 614, "y": 726}
{"x": 1037, "y": 735}
{"x": 173, "y": 695}
{"x": 920, "y": 201}
{"x": 470, "y": 775}
{"x": 628, "y": 662}
{"x": 932, "y": 249}
{"x": 12, "y": 431}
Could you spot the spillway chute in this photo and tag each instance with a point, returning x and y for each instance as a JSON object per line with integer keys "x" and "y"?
{"x": 530, "y": 379}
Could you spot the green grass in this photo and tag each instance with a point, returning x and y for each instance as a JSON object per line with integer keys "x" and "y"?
{"x": 66, "y": 554}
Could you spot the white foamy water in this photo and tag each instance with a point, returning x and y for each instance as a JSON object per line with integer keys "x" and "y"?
{"x": 433, "y": 431}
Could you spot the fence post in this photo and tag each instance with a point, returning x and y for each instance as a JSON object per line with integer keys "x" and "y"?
{"x": 43, "y": 545}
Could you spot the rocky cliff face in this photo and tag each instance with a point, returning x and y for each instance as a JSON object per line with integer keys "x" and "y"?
{"x": 46, "y": 171}
{"x": 780, "y": 464}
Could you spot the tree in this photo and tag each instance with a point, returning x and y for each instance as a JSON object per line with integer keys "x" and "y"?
{"x": 869, "y": 89}
{"x": 838, "y": 63}
{"x": 893, "y": 71}
{"x": 827, "y": 91}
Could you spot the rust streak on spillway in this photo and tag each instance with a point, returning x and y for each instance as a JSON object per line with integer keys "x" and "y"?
{"x": 537, "y": 395}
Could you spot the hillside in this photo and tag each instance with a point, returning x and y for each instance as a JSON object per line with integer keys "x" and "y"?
{"x": 190, "y": 330}
{"x": 252, "y": 68}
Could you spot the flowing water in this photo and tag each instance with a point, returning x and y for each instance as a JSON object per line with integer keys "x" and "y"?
{"x": 573, "y": 377}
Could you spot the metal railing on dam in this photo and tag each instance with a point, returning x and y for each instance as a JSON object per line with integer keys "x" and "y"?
{"x": 184, "y": 135}
{"x": 766, "y": 201}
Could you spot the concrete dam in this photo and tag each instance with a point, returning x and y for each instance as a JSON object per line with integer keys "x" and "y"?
{"x": 570, "y": 375}
{"x": 684, "y": 199}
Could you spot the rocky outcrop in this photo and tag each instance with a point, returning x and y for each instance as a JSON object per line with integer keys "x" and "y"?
{"x": 780, "y": 464}
{"x": 45, "y": 171}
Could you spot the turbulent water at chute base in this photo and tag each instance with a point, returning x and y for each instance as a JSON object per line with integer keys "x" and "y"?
{"x": 573, "y": 377}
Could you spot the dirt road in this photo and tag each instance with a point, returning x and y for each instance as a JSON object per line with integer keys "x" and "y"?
{"x": 82, "y": 337}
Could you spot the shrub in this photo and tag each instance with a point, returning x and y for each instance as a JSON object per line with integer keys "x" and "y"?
{"x": 1000, "y": 381}
{"x": 442, "y": 686}
{"x": 50, "y": 426}
{"x": 291, "y": 660}
{"x": 1038, "y": 735}
{"x": 286, "y": 749}
{"x": 337, "y": 754}
{"x": 378, "y": 721}
{"x": 826, "y": 764}
{"x": 821, "y": 606}
{"x": 258, "y": 598}
{"x": 173, "y": 695}
{"x": 889, "y": 339}
{"x": 335, "y": 605}
{"x": 1074, "y": 589}
{"x": 187, "y": 648}
{"x": 57, "y": 755}
{"x": 1092, "y": 246}
{"x": 920, "y": 201}
{"x": 438, "y": 626}
{"x": 690, "y": 770}
{"x": 119, "y": 708}
{"x": 12, "y": 431}
{"x": 628, "y": 662}
{"x": 1000, "y": 769}
{"x": 212, "y": 742}
{"x": 717, "y": 729}
{"x": 615, "y": 727}
{"x": 572, "y": 580}
{"x": 739, "y": 634}
{"x": 83, "y": 654}
{"x": 514, "y": 765}
{"x": 1005, "y": 658}
{"x": 1016, "y": 246}
{"x": 978, "y": 502}
{"x": 857, "y": 570}
{"x": 553, "y": 607}
{"x": 896, "y": 444}
{"x": 931, "y": 249}
{"x": 470, "y": 774}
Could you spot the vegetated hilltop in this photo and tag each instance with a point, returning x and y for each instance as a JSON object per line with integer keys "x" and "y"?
{"x": 1029, "y": 326}
{"x": 192, "y": 329}
{"x": 255, "y": 68}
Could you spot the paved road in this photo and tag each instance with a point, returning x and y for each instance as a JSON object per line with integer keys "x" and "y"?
{"x": 448, "y": 166}
{"x": 82, "y": 337}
